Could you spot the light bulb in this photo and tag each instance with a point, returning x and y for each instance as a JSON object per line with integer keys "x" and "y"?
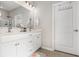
{"x": 27, "y": 3}
{"x": 30, "y": 5}
{"x": 33, "y": 7}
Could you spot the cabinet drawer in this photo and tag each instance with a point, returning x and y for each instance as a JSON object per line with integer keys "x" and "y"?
{"x": 28, "y": 44}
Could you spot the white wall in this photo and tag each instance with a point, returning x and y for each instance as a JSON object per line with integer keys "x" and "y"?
{"x": 45, "y": 15}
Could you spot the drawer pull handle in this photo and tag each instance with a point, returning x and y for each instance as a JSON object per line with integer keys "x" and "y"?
{"x": 16, "y": 44}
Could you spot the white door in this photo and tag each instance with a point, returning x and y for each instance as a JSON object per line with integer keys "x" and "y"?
{"x": 76, "y": 26}
{"x": 64, "y": 27}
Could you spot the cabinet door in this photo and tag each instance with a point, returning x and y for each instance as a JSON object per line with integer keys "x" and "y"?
{"x": 39, "y": 40}
{"x": 8, "y": 49}
{"x": 36, "y": 40}
{"x": 24, "y": 48}
{"x": 21, "y": 51}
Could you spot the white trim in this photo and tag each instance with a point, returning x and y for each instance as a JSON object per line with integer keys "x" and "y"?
{"x": 53, "y": 27}
{"x": 50, "y": 49}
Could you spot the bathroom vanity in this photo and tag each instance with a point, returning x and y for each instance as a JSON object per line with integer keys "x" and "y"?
{"x": 17, "y": 38}
{"x": 20, "y": 44}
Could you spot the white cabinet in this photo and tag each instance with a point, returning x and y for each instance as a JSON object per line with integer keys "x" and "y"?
{"x": 22, "y": 46}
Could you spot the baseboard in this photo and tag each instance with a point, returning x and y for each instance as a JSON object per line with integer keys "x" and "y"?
{"x": 51, "y": 49}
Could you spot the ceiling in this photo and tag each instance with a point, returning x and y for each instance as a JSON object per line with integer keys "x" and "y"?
{"x": 8, "y": 5}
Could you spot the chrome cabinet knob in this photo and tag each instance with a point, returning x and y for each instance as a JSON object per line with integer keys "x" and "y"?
{"x": 76, "y": 30}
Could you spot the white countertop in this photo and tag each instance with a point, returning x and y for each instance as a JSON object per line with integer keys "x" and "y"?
{"x": 15, "y": 33}
{"x": 5, "y": 37}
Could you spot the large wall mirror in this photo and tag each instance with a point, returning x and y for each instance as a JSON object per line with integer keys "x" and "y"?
{"x": 14, "y": 15}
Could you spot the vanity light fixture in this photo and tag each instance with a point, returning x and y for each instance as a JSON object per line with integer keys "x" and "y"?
{"x": 26, "y": 4}
{"x": 29, "y": 4}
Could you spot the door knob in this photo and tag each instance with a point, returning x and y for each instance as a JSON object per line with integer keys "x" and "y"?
{"x": 76, "y": 30}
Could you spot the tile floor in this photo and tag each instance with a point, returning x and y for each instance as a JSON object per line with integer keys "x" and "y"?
{"x": 54, "y": 53}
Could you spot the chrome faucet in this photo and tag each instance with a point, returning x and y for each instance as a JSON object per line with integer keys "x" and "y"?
{"x": 30, "y": 24}
{"x": 10, "y": 23}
